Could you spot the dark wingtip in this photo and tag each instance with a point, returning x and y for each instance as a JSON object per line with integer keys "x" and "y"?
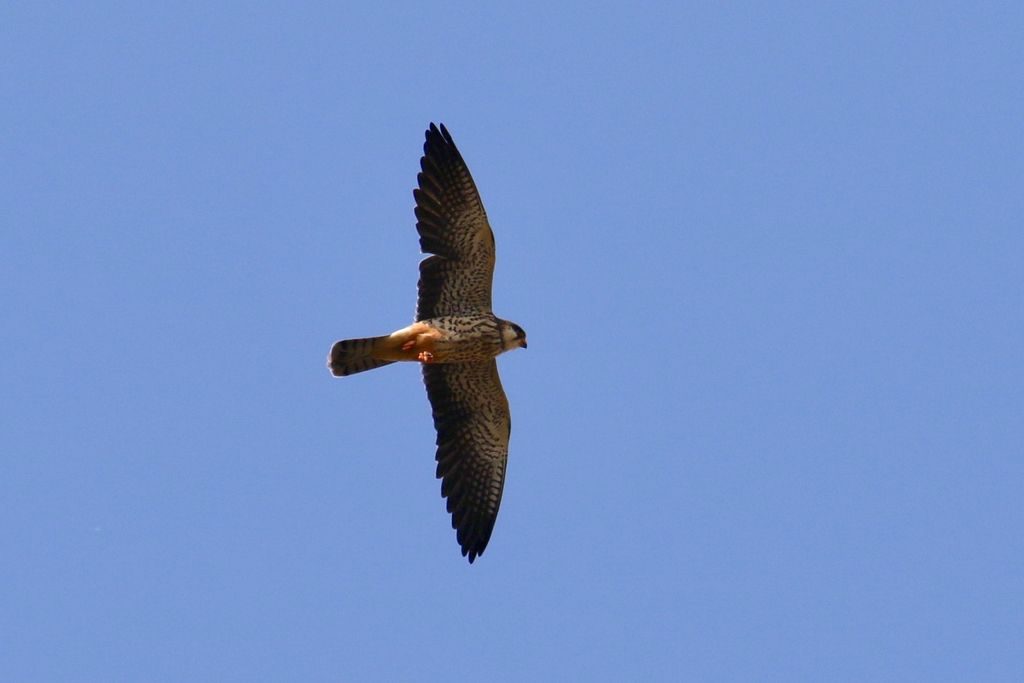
{"x": 441, "y": 135}
{"x": 433, "y": 132}
{"x": 446, "y": 135}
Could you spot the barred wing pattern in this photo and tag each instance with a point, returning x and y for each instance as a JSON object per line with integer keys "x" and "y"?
{"x": 452, "y": 224}
{"x": 473, "y": 425}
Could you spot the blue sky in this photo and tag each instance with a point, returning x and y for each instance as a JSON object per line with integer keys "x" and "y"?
{"x": 769, "y": 425}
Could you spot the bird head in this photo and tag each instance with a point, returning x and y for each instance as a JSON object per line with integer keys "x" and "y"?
{"x": 512, "y": 336}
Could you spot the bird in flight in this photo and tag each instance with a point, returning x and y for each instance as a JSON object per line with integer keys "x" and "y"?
{"x": 456, "y": 338}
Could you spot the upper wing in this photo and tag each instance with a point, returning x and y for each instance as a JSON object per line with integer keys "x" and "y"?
{"x": 473, "y": 427}
{"x": 452, "y": 224}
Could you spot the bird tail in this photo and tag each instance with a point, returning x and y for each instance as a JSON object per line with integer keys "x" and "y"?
{"x": 350, "y": 356}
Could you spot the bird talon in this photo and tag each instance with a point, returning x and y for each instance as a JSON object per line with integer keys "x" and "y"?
{"x": 426, "y": 357}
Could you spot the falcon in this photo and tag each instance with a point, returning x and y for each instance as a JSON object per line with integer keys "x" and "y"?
{"x": 456, "y": 338}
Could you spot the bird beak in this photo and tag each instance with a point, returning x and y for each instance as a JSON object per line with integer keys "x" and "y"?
{"x": 523, "y": 343}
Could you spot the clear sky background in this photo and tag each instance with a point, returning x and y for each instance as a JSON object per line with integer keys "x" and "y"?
{"x": 769, "y": 426}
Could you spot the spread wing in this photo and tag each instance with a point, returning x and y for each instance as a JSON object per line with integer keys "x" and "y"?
{"x": 473, "y": 427}
{"x": 452, "y": 224}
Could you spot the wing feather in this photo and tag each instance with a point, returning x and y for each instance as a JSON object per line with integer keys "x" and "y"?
{"x": 452, "y": 225}
{"x": 473, "y": 425}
